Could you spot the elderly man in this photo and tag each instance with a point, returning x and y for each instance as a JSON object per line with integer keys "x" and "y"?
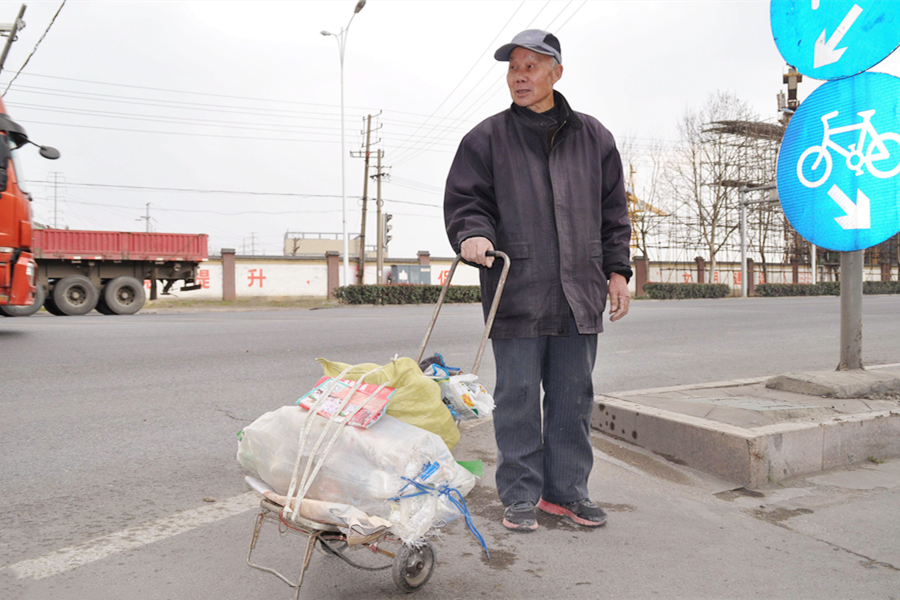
{"x": 544, "y": 184}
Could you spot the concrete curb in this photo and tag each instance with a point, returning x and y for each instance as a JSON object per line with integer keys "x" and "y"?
{"x": 750, "y": 456}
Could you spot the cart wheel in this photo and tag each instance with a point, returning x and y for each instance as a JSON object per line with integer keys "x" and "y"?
{"x": 413, "y": 567}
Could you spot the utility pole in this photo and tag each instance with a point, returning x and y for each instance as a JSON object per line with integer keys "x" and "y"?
{"x": 366, "y": 154}
{"x": 362, "y": 232}
{"x": 379, "y": 269}
{"x": 253, "y": 244}
{"x": 145, "y": 218}
{"x": 13, "y": 29}
{"x": 55, "y": 198}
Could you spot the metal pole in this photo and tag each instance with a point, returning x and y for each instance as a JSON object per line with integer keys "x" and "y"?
{"x": 851, "y": 310}
{"x": 362, "y": 228}
{"x": 55, "y": 188}
{"x": 379, "y": 268}
{"x": 813, "y": 261}
{"x": 346, "y": 278}
{"x": 342, "y": 44}
{"x": 743, "y": 244}
{"x": 12, "y": 36}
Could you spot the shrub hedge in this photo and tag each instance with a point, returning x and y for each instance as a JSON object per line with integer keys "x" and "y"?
{"x": 406, "y": 294}
{"x": 682, "y": 291}
{"x": 825, "y": 288}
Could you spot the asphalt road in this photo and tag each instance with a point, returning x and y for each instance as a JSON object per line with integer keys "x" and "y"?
{"x": 112, "y": 422}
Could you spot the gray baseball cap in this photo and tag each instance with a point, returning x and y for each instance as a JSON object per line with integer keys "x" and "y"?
{"x": 537, "y": 40}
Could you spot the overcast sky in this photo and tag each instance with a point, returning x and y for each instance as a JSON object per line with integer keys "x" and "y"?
{"x": 244, "y": 97}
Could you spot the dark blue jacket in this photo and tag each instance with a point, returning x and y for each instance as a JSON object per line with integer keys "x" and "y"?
{"x": 555, "y": 203}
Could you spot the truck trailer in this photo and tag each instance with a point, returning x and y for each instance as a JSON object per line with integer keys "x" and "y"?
{"x": 79, "y": 271}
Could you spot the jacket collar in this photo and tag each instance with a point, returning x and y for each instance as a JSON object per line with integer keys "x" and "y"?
{"x": 541, "y": 122}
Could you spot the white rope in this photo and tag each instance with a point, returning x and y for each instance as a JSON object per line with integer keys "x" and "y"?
{"x": 334, "y": 438}
{"x": 310, "y": 472}
{"x": 305, "y": 430}
{"x": 301, "y": 493}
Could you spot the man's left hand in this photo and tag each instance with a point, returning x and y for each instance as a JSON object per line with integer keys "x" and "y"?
{"x": 619, "y": 297}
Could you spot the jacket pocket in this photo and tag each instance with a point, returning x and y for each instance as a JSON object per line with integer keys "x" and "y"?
{"x": 596, "y": 249}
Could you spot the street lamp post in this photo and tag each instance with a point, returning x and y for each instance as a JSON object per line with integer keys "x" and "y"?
{"x": 342, "y": 44}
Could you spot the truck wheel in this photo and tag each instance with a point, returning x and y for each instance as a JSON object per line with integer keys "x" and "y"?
{"x": 75, "y": 295}
{"x": 50, "y": 305}
{"x": 26, "y": 311}
{"x": 123, "y": 295}
{"x": 101, "y": 307}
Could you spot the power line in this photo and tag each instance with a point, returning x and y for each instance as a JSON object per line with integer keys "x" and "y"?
{"x": 187, "y": 134}
{"x": 413, "y": 152}
{"x": 550, "y": 24}
{"x": 211, "y": 94}
{"x": 46, "y": 31}
{"x": 572, "y": 15}
{"x": 214, "y": 191}
{"x": 475, "y": 64}
{"x": 255, "y": 126}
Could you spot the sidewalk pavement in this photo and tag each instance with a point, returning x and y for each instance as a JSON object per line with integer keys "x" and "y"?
{"x": 761, "y": 431}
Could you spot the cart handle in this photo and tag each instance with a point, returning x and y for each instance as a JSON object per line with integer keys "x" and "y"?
{"x": 491, "y": 314}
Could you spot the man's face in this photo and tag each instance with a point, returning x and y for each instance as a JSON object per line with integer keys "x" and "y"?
{"x": 530, "y": 78}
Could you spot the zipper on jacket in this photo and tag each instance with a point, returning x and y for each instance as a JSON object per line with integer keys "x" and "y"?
{"x": 553, "y": 137}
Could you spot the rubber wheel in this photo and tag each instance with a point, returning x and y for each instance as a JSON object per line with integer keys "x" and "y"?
{"x": 26, "y": 311}
{"x": 413, "y": 567}
{"x": 50, "y": 305}
{"x": 102, "y": 307}
{"x": 123, "y": 296}
{"x": 75, "y": 295}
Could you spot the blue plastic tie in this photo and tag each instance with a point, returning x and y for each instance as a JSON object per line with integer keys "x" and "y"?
{"x": 445, "y": 490}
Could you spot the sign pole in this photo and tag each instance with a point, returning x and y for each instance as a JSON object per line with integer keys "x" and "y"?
{"x": 851, "y": 310}
{"x": 743, "y": 243}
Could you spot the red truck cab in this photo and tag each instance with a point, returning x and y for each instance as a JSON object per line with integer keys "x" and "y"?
{"x": 17, "y": 266}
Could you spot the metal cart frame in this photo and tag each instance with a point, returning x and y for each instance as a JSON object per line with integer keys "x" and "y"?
{"x": 411, "y": 566}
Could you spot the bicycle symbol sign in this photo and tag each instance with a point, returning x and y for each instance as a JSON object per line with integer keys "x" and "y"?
{"x": 839, "y": 164}
{"x": 858, "y": 155}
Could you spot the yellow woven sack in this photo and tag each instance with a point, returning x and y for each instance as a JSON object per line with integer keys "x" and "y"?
{"x": 417, "y": 399}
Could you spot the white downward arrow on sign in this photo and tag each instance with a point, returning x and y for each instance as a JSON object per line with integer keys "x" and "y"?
{"x": 858, "y": 215}
{"x": 825, "y": 53}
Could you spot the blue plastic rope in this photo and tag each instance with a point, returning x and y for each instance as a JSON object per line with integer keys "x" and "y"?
{"x": 445, "y": 490}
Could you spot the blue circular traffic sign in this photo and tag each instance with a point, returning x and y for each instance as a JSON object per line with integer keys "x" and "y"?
{"x": 839, "y": 163}
{"x": 833, "y": 39}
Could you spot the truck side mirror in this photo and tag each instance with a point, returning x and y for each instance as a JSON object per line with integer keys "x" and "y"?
{"x": 49, "y": 152}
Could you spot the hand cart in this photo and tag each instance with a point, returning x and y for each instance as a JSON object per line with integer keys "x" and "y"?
{"x": 411, "y": 567}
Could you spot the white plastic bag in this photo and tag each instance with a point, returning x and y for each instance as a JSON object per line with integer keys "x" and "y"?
{"x": 466, "y": 398}
{"x": 365, "y": 469}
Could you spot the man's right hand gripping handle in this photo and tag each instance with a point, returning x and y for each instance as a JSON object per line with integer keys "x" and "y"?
{"x": 474, "y": 250}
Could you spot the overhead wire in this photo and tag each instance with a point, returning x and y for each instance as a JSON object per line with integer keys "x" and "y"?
{"x": 475, "y": 64}
{"x": 217, "y": 191}
{"x": 46, "y": 31}
{"x": 215, "y": 95}
{"x": 472, "y": 108}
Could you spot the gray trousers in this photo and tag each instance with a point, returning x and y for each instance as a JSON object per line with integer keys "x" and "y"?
{"x": 553, "y": 461}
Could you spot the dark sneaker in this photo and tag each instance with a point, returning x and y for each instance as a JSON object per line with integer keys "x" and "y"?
{"x": 584, "y": 512}
{"x": 520, "y": 517}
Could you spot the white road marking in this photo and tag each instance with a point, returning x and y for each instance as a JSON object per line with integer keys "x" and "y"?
{"x": 132, "y": 538}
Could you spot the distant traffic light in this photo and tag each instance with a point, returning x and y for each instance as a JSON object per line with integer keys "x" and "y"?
{"x": 387, "y": 228}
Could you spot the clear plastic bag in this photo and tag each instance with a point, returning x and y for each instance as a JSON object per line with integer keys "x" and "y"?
{"x": 461, "y": 392}
{"x": 367, "y": 468}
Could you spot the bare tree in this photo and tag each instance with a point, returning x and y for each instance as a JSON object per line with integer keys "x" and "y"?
{"x": 644, "y": 166}
{"x": 708, "y": 167}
